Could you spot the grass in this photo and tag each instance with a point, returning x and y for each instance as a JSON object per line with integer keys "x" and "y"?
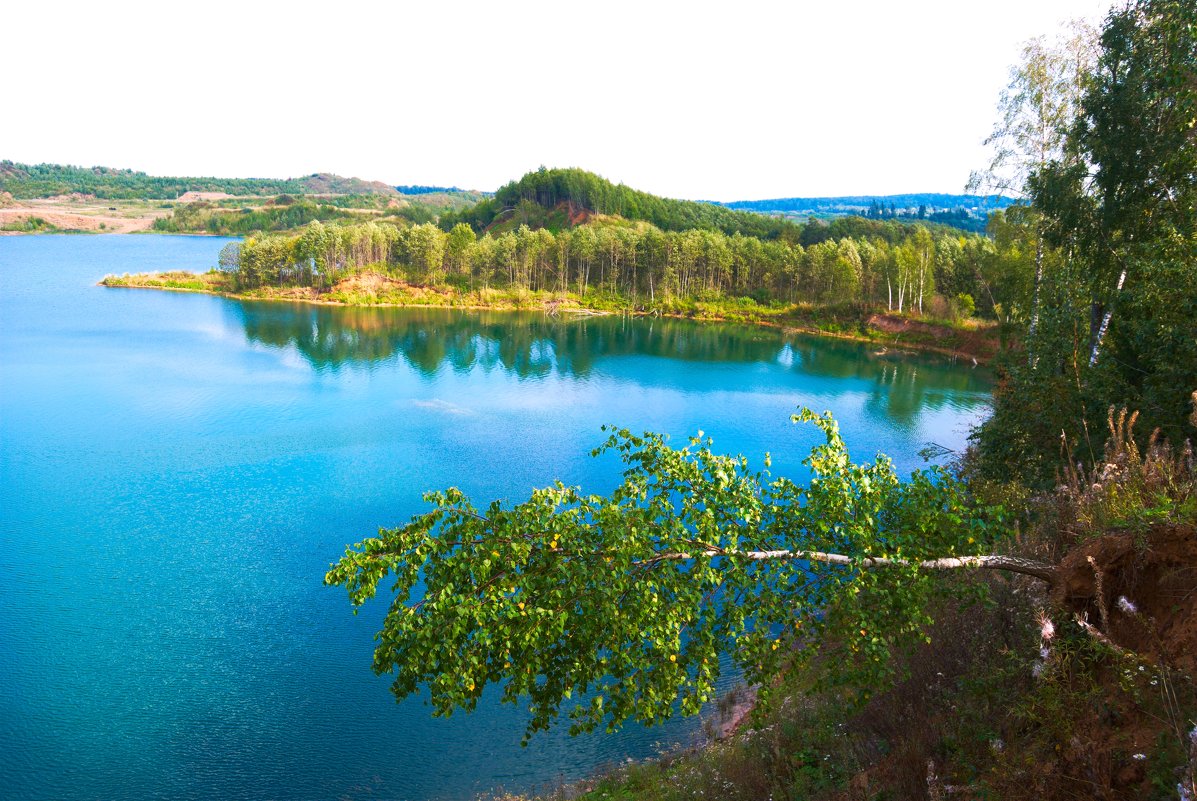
{"x": 205, "y": 282}
{"x": 29, "y": 225}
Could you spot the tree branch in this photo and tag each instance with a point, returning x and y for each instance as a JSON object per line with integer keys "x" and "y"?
{"x": 1010, "y": 564}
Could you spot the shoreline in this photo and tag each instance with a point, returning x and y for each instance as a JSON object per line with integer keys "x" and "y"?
{"x": 889, "y": 341}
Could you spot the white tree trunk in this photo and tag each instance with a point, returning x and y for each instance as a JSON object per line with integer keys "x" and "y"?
{"x": 1010, "y": 564}
{"x": 1031, "y": 357}
{"x": 1105, "y": 322}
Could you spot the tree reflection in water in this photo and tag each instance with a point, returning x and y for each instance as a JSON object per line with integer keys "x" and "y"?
{"x": 534, "y": 344}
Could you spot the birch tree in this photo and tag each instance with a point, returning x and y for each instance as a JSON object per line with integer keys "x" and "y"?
{"x": 618, "y": 608}
{"x": 1036, "y": 111}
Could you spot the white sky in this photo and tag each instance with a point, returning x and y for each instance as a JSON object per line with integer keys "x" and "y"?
{"x": 699, "y": 100}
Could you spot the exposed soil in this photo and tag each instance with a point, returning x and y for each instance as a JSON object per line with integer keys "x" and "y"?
{"x": 82, "y": 213}
{"x": 67, "y": 221}
{"x": 578, "y": 215}
{"x": 1148, "y": 599}
{"x": 191, "y": 197}
{"x": 378, "y": 284}
{"x": 977, "y": 343}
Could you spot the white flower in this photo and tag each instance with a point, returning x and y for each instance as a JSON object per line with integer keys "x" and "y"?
{"x": 1127, "y": 606}
{"x": 1139, "y": 757}
{"x": 1047, "y": 629}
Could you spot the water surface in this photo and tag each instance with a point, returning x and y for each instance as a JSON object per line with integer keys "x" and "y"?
{"x": 178, "y": 470}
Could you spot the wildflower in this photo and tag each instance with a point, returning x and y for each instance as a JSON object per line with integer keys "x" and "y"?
{"x": 1127, "y": 606}
{"x": 1047, "y": 629}
{"x": 1139, "y": 757}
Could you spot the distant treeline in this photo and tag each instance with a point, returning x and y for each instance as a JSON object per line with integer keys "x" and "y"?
{"x": 966, "y": 212}
{"x": 202, "y": 217}
{"x": 903, "y": 267}
{"x": 860, "y": 204}
{"x": 550, "y": 198}
{"x": 287, "y": 213}
{"x": 419, "y": 189}
{"x": 46, "y": 180}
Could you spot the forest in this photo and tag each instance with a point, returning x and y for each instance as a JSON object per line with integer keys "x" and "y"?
{"x": 903, "y": 268}
{"x": 533, "y": 198}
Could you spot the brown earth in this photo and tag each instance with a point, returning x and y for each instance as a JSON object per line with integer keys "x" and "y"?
{"x": 191, "y": 197}
{"x": 980, "y": 343}
{"x": 79, "y": 212}
{"x": 363, "y": 284}
{"x": 76, "y": 221}
{"x": 1148, "y": 598}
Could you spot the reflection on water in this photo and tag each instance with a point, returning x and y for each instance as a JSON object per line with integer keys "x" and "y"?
{"x": 534, "y": 345}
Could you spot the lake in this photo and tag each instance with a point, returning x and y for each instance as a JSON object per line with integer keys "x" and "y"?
{"x": 178, "y": 470}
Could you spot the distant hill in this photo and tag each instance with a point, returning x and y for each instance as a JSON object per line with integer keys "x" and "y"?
{"x": 562, "y": 198}
{"x": 325, "y": 183}
{"x": 47, "y": 180}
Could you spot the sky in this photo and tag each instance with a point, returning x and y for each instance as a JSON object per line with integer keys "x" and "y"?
{"x": 713, "y": 101}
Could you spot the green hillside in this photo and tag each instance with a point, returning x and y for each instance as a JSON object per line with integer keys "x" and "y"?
{"x": 561, "y": 198}
{"x": 46, "y": 180}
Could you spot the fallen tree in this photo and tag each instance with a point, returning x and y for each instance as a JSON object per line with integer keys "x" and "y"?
{"x": 624, "y": 605}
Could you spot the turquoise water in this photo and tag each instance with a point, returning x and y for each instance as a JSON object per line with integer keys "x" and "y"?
{"x": 178, "y": 470}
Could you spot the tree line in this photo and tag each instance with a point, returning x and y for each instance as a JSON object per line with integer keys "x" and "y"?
{"x": 45, "y": 180}
{"x": 903, "y": 268}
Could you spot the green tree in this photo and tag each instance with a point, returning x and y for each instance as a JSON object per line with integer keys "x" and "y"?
{"x": 229, "y": 260}
{"x": 426, "y": 250}
{"x": 615, "y": 608}
{"x": 1133, "y": 187}
{"x": 313, "y": 248}
{"x": 1117, "y": 329}
{"x": 1036, "y": 111}
{"x": 457, "y": 247}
